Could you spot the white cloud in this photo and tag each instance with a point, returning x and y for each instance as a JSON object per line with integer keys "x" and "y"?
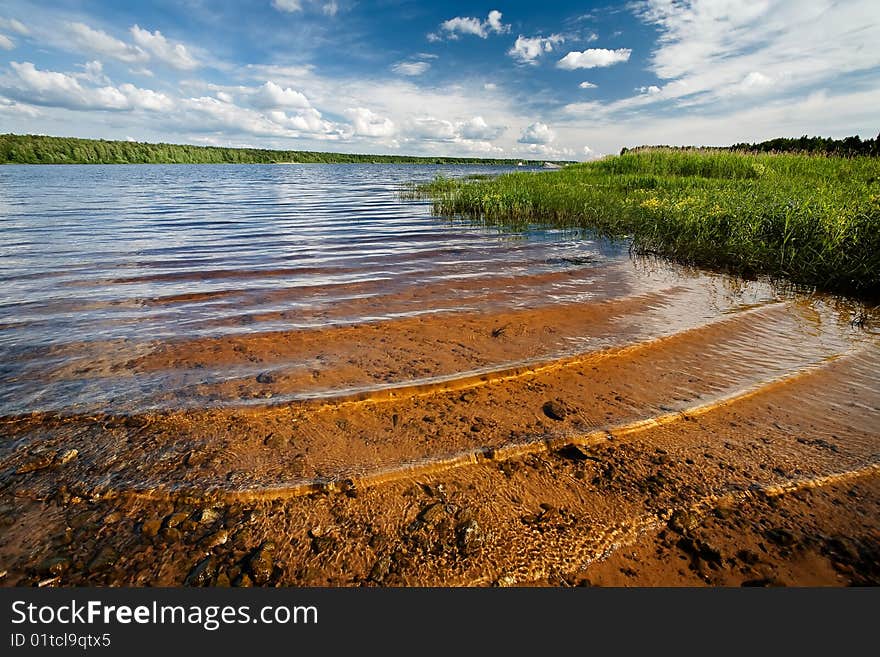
{"x": 455, "y": 27}
{"x": 100, "y": 42}
{"x": 12, "y": 25}
{"x": 328, "y": 8}
{"x": 477, "y": 128}
{"x": 93, "y": 71}
{"x": 54, "y": 89}
{"x": 545, "y": 150}
{"x": 651, "y": 90}
{"x": 6, "y": 43}
{"x": 146, "y": 99}
{"x": 288, "y": 6}
{"x": 367, "y": 123}
{"x": 537, "y": 133}
{"x": 225, "y": 97}
{"x": 271, "y": 95}
{"x": 495, "y": 24}
{"x": 587, "y": 85}
{"x": 173, "y": 54}
{"x": 411, "y": 68}
{"x": 593, "y": 58}
{"x": 708, "y": 52}
{"x": 527, "y": 49}
{"x": 490, "y": 86}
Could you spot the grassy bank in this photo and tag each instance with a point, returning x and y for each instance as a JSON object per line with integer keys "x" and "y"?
{"x": 39, "y": 149}
{"x": 810, "y": 220}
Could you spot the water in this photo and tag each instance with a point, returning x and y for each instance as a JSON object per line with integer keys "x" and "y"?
{"x": 105, "y": 268}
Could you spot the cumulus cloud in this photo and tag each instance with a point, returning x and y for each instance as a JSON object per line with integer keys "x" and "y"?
{"x": 6, "y": 43}
{"x": 367, "y": 123}
{"x": 651, "y": 90}
{"x": 271, "y": 95}
{"x": 100, "y": 42}
{"x": 458, "y": 26}
{"x": 537, "y": 133}
{"x": 526, "y": 50}
{"x": 155, "y": 43}
{"x": 587, "y": 85}
{"x": 431, "y": 128}
{"x": 594, "y": 58}
{"x": 477, "y": 128}
{"x": 93, "y": 71}
{"x": 54, "y": 89}
{"x": 411, "y": 68}
{"x": 548, "y": 151}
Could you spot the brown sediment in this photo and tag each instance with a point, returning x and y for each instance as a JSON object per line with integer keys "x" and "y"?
{"x": 618, "y": 442}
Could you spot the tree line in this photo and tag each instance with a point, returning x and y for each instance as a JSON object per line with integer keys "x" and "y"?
{"x": 847, "y": 147}
{"x": 41, "y": 149}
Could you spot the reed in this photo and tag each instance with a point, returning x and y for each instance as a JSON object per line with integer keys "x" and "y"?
{"x": 810, "y": 220}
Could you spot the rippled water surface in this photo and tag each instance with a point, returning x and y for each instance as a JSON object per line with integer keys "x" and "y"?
{"x": 106, "y": 270}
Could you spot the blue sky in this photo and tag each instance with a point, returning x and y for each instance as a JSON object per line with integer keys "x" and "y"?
{"x": 572, "y": 80}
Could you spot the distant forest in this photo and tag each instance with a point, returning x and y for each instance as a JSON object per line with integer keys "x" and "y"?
{"x": 39, "y": 149}
{"x": 847, "y": 147}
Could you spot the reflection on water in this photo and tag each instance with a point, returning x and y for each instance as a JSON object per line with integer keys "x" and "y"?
{"x": 106, "y": 270}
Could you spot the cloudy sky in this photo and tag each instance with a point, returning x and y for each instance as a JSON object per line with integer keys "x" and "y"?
{"x": 556, "y": 79}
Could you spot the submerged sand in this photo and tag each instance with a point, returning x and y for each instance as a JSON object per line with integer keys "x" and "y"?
{"x": 692, "y": 431}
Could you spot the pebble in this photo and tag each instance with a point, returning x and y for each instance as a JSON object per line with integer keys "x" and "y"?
{"x": 469, "y": 537}
{"x": 262, "y": 563}
{"x": 683, "y": 521}
{"x": 105, "y": 557}
{"x": 208, "y": 516}
{"x": 151, "y": 528}
{"x": 265, "y": 377}
{"x": 555, "y": 410}
{"x": 201, "y": 573}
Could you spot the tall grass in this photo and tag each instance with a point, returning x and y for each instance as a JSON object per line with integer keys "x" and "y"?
{"x": 814, "y": 221}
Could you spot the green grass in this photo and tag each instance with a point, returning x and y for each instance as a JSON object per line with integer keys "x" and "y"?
{"x": 40, "y": 149}
{"x": 810, "y": 220}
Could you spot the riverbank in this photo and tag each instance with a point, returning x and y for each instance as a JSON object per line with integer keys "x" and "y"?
{"x": 812, "y": 221}
{"x": 42, "y": 149}
{"x": 705, "y": 457}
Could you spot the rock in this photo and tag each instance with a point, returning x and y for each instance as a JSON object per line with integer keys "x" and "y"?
{"x": 262, "y": 562}
{"x": 201, "y": 574}
{"x": 555, "y": 410}
{"x": 40, "y": 462}
{"x": 274, "y": 441}
{"x": 683, "y": 521}
{"x": 467, "y": 397}
{"x": 112, "y": 518}
{"x": 151, "y": 528}
{"x": 433, "y": 514}
{"x": 243, "y": 581}
{"x": 265, "y": 377}
{"x": 349, "y": 488}
{"x": 208, "y": 516}
{"x": 469, "y": 537}
{"x": 55, "y": 565}
{"x": 780, "y": 536}
{"x": 67, "y": 456}
{"x": 222, "y": 581}
{"x": 104, "y": 558}
{"x": 174, "y": 519}
{"x": 213, "y": 540}
{"x": 171, "y": 535}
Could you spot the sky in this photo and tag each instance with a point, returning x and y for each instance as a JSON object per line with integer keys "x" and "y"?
{"x": 544, "y": 80}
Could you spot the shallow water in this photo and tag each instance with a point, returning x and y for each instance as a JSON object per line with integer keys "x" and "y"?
{"x": 128, "y": 288}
